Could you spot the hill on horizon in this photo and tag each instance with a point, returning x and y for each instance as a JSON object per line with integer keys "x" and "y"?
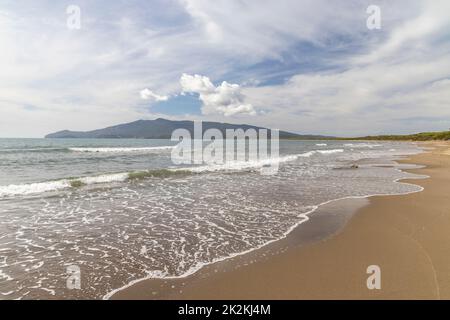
{"x": 162, "y": 129}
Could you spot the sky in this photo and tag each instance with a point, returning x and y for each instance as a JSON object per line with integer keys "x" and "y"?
{"x": 306, "y": 66}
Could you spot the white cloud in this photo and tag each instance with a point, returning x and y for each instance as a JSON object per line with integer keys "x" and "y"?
{"x": 399, "y": 86}
{"x": 147, "y": 94}
{"x": 226, "y": 99}
{"x": 412, "y": 35}
{"x": 51, "y": 76}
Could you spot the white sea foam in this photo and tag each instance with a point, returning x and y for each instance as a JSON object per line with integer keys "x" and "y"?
{"x": 330, "y": 151}
{"x": 107, "y": 178}
{"x": 306, "y": 154}
{"x": 42, "y": 149}
{"x": 4, "y": 276}
{"x": 321, "y": 144}
{"x": 26, "y": 189}
{"x": 47, "y": 186}
{"x": 122, "y": 150}
{"x": 241, "y": 165}
{"x": 256, "y": 164}
{"x": 303, "y": 217}
{"x": 40, "y": 187}
{"x": 362, "y": 145}
{"x": 153, "y": 213}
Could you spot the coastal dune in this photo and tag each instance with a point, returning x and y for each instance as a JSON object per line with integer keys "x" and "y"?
{"x": 407, "y": 236}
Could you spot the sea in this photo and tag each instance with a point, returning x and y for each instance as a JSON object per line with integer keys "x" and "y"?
{"x": 83, "y": 218}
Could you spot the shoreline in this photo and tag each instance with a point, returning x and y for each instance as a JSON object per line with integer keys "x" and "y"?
{"x": 181, "y": 287}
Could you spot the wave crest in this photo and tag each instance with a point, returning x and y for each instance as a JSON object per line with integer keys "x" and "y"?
{"x": 121, "y": 150}
{"x": 47, "y": 186}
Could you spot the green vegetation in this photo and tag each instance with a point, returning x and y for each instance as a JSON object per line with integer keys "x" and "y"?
{"x": 162, "y": 173}
{"x": 76, "y": 183}
{"x": 423, "y": 136}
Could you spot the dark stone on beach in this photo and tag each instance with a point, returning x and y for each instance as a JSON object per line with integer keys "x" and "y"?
{"x": 353, "y": 166}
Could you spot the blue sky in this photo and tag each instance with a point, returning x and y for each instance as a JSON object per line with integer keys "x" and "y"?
{"x": 299, "y": 65}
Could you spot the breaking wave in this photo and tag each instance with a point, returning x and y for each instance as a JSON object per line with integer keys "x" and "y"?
{"x": 47, "y": 186}
{"x": 362, "y": 145}
{"x": 121, "y": 150}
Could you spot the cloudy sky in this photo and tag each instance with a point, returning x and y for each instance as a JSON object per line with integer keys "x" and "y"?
{"x": 308, "y": 66}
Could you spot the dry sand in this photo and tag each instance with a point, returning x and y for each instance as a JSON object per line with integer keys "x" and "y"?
{"x": 407, "y": 236}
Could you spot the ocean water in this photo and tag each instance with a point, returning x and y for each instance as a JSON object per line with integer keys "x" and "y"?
{"x": 72, "y": 202}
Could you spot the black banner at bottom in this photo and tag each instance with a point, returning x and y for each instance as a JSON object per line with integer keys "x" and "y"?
{"x": 255, "y": 309}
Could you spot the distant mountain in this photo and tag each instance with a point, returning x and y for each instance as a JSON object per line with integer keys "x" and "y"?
{"x": 162, "y": 129}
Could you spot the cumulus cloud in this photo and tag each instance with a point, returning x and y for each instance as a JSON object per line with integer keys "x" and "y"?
{"x": 148, "y": 94}
{"x": 226, "y": 99}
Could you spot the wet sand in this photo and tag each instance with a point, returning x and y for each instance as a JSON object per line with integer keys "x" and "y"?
{"x": 407, "y": 236}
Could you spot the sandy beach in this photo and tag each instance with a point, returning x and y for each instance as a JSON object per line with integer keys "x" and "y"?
{"x": 407, "y": 236}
